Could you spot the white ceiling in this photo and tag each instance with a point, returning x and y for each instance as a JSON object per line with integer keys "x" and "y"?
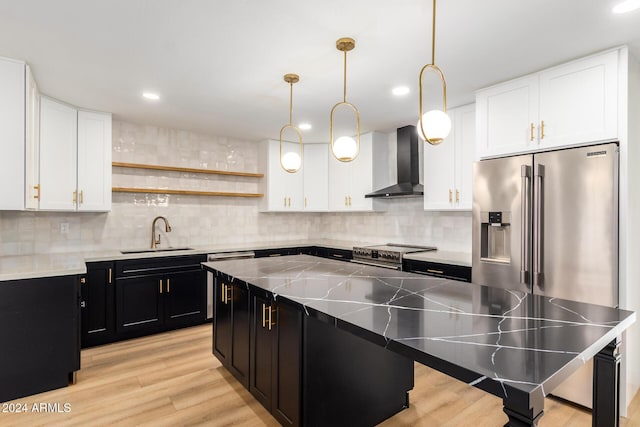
{"x": 218, "y": 65}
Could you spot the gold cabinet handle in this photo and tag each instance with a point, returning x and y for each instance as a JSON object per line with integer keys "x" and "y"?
{"x": 349, "y": 200}
{"x": 435, "y": 271}
{"x": 289, "y": 201}
{"x": 305, "y": 202}
{"x": 264, "y": 316}
{"x": 75, "y": 197}
{"x": 531, "y": 127}
{"x": 169, "y": 286}
{"x": 227, "y": 290}
{"x": 83, "y": 280}
{"x": 222, "y": 293}
{"x": 160, "y": 285}
{"x": 81, "y": 196}
{"x": 542, "y": 129}
{"x": 37, "y": 195}
{"x": 110, "y": 276}
{"x": 450, "y": 196}
{"x": 285, "y": 202}
{"x": 457, "y": 196}
{"x": 271, "y": 324}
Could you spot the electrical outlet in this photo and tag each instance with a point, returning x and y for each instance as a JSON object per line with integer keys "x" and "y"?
{"x": 64, "y": 227}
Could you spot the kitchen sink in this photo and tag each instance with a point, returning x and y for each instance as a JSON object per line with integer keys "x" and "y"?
{"x": 142, "y": 251}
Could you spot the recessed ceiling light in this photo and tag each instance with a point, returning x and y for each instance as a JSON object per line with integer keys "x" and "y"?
{"x": 150, "y": 95}
{"x": 626, "y": 6}
{"x": 304, "y": 126}
{"x": 400, "y": 90}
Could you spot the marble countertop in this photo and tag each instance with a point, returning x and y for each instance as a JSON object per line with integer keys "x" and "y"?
{"x": 498, "y": 340}
{"x": 442, "y": 257}
{"x": 64, "y": 264}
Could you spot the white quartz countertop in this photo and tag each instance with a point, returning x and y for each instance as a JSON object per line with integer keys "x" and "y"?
{"x": 443, "y": 257}
{"x": 64, "y": 264}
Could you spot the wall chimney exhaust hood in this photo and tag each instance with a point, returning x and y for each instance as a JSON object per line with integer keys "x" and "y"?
{"x": 408, "y": 168}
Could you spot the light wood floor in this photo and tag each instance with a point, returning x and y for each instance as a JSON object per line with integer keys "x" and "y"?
{"x": 172, "y": 379}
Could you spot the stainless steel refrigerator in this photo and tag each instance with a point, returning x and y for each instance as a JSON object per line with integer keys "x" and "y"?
{"x": 547, "y": 223}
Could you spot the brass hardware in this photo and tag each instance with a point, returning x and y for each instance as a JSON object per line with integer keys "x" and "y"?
{"x": 345, "y": 201}
{"x": 228, "y": 289}
{"x": 81, "y": 196}
{"x": 345, "y": 44}
{"x": 457, "y": 196}
{"x": 264, "y": 316}
{"x": 450, "y": 196}
{"x": 305, "y": 202}
{"x": 83, "y": 280}
{"x": 110, "y": 276}
{"x": 160, "y": 285}
{"x": 222, "y": 293}
{"x": 435, "y": 271}
{"x": 168, "y": 285}
{"x": 167, "y": 228}
{"x": 349, "y": 200}
{"x": 75, "y": 197}
{"x": 289, "y": 201}
{"x": 433, "y": 66}
{"x": 37, "y": 188}
{"x": 531, "y": 127}
{"x": 542, "y": 129}
{"x": 270, "y": 321}
{"x": 291, "y": 79}
{"x": 285, "y": 202}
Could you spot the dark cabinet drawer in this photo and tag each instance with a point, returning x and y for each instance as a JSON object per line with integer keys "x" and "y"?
{"x": 148, "y": 266}
{"x": 447, "y": 271}
{"x": 263, "y": 253}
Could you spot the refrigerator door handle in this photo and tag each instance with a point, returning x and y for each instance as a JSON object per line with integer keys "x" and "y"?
{"x": 538, "y": 225}
{"x": 525, "y": 206}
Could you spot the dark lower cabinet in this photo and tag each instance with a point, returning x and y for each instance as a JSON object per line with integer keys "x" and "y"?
{"x": 275, "y": 353}
{"x": 436, "y": 269}
{"x": 231, "y": 328}
{"x": 305, "y": 370}
{"x": 39, "y": 334}
{"x": 159, "y": 294}
{"x": 98, "y": 304}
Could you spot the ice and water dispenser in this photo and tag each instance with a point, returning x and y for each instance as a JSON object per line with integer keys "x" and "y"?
{"x": 495, "y": 236}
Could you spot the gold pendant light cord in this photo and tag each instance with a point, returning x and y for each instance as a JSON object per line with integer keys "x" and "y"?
{"x": 433, "y": 35}
{"x": 290, "y": 103}
{"x": 344, "y": 95}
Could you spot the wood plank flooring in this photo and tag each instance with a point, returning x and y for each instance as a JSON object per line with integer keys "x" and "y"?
{"x": 172, "y": 379}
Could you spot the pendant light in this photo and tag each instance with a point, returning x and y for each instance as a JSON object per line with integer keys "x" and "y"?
{"x": 434, "y": 126}
{"x": 291, "y": 161}
{"x": 345, "y": 148}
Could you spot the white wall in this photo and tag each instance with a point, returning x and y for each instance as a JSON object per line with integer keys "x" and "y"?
{"x": 202, "y": 220}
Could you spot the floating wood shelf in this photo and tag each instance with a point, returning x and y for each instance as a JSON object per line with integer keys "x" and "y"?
{"x": 183, "y": 192}
{"x": 189, "y": 170}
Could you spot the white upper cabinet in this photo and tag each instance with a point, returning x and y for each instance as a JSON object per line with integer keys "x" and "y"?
{"x": 350, "y": 181}
{"x": 283, "y": 191}
{"x": 32, "y": 142}
{"x": 58, "y": 150}
{"x": 75, "y": 158}
{"x": 315, "y": 171}
{"x": 94, "y": 161}
{"x": 448, "y": 166}
{"x": 12, "y": 134}
{"x": 571, "y": 104}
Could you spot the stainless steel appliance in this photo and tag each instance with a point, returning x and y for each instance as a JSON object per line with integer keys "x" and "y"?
{"x": 387, "y": 256}
{"x": 221, "y": 256}
{"x": 547, "y": 223}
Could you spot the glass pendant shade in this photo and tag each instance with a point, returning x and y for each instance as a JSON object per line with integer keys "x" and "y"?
{"x": 345, "y": 148}
{"x": 436, "y": 125}
{"x": 291, "y": 161}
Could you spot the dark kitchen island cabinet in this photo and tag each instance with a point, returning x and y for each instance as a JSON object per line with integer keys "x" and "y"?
{"x": 362, "y": 328}
{"x": 301, "y": 368}
{"x": 39, "y": 334}
{"x": 98, "y": 304}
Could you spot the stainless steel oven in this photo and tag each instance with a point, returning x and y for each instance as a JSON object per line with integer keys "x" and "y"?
{"x": 221, "y": 256}
{"x": 386, "y": 256}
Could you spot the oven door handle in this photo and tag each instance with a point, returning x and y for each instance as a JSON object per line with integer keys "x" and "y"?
{"x": 374, "y": 264}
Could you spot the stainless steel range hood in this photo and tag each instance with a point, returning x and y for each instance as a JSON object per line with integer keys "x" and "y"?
{"x": 408, "y": 168}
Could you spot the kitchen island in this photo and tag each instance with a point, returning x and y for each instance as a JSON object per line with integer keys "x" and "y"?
{"x": 516, "y": 346}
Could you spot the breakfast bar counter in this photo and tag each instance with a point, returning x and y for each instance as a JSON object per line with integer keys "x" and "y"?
{"x": 515, "y": 345}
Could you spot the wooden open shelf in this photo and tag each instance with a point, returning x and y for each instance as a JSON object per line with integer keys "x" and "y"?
{"x": 183, "y": 192}
{"x": 189, "y": 170}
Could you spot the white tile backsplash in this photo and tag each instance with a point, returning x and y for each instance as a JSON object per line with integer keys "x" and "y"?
{"x": 197, "y": 220}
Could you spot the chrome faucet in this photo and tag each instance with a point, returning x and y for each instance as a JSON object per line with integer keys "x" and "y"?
{"x": 167, "y": 228}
